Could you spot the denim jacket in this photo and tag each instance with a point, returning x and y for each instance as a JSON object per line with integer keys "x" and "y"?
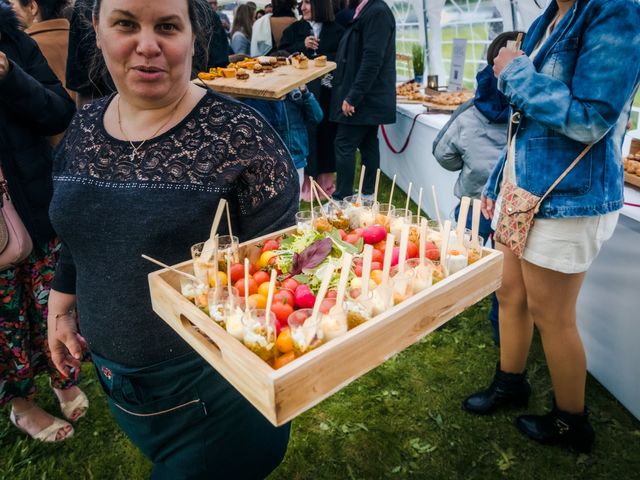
{"x": 300, "y": 109}
{"x": 578, "y": 90}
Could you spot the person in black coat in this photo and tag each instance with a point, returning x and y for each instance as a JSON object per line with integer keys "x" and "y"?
{"x": 317, "y": 16}
{"x": 363, "y": 94}
{"x": 33, "y": 105}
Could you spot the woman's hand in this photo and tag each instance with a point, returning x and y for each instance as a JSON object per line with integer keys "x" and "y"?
{"x": 348, "y": 109}
{"x": 4, "y": 65}
{"x": 65, "y": 343}
{"x": 311, "y": 42}
{"x": 488, "y": 206}
{"x": 504, "y": 58}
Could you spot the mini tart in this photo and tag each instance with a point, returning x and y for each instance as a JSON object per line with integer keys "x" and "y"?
{"x": 320, "y": 61}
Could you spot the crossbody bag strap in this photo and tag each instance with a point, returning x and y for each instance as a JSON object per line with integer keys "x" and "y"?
{"x": 564, "y": 174}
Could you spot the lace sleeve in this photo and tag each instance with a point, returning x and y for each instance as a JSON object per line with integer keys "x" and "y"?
{"x": 268, "y": 188}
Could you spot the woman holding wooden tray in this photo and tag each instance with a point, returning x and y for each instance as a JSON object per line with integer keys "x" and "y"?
{"x": 142, "y": 172}
{"x": 571, "y": 87}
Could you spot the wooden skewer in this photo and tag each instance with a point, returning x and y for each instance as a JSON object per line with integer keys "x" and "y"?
{"x": 272, "y": 289}
{"x": 462, "y": 222}
{"x": 344, "y": 278}
{"x": 359, "y": 199}
{"x": 228, "y": 257}
{"x": 375, "y": 189}
{"x": 311, "y": 199}
{"x": 168, "y": 267}
{"x": 322, "y": 292}
{"x": 444, "y": 251}
{"x": 393, "y": 186}
{"x": 423, "y": 240}
{"x": 246, "y": 285}
{"x": 406, "y": 206}
{"x": 366, "y": 269}
{"x": 215, "y": 265}
{"x": 404, "y": 241}
{"x": 207, "y": 248}
{"x": 386, "y": 266}
{"x": 435, "y": 201}
{"x": 420, "y": 203}
{"x": 475, "y": 223}
{"x": 325, "y": 195}
{"x": 229, "y": 221}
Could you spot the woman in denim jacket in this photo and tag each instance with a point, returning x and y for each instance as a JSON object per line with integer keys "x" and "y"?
{"x": 572, "y": 85}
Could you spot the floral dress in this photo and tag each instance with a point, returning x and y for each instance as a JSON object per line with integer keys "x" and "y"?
{"x": 24, "y": 351}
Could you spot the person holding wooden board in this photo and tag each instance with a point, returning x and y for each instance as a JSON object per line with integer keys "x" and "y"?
{"x": 142, "y": 171}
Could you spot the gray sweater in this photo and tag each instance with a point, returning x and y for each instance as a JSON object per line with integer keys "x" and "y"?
{"x": 471, "y": 144}
{"x": 108, "y": 210}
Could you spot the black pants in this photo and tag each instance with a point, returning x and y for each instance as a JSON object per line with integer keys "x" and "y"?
{"x": 190, "y": 422}
{"x": 349, "y": 138}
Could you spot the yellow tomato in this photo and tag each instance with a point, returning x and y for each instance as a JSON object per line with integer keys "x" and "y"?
{"x": 284, "y": 341}
{"x": 376, "y": 276}
{"x": 221, "y": 276}
{"x": 263, "y": 261}
{"x": 263, "y": 289}
{"x": 257, "y": 301}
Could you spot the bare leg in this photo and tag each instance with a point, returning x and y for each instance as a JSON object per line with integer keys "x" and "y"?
{"x": 552, "y": 298}
{"x": 516, "y": 326}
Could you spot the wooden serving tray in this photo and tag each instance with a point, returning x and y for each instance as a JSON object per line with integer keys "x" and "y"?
{"x": 632, "y": 179}
{"x": 281, "y": 395}
{"x": 269, "y": 86}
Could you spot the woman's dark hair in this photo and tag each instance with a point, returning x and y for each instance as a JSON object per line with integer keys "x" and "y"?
{"x": 499, "y": 42}
{"x": 243, "y": 20}
{"x": 283, "y": 7}
{"x": 201, "y": 19}
{"x": 322, "y": 11}
{"x": 260, "y": 12}
{"x": 49, "y": 9}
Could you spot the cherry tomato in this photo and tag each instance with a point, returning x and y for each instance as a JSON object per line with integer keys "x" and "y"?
{"x": 333, "y": 293}
{"x": 253, "y": 286}
{"x": 270, "y": 245}
{"x": 284, "y": 296}
{"x": 343, "y": 234}
{"x": 377, "y": 255}
{"x": 412, "y": 250}
{"x": 357, "y": 269}
{"x": 382, "y": 246}
{"x": 327, "y": 304}
{"x": 395, "y": 256}
{"x": 358, "y": 231}
{"x": 352, "y": 238}
{"x": 376, "y": 266}
{"x": 290, "y": 284}
{"x": 282, "y": 311}
{"x": 261, "y": 277}
{"x": 237, "y": 272}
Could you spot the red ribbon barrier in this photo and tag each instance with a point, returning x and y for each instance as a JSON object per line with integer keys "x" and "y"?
{"x": 632, "y": 204}
{"x": 406, "y": 142}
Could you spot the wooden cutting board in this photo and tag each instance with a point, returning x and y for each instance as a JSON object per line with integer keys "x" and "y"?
{"x": 269, "y": 86}
{"x": 632, "y": 179}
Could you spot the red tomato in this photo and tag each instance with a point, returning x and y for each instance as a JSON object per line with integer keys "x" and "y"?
{"x": 382, "y": 246}
{"x": 270, "y": 245}
{"x": 299, "y": 316}
{"x": 395, "y": 256}
{"x": 357, "y": 269}
{"x": 332, "y": 293}
{"x": 377, "y": 256}
{"x": 433, "y": 254}
{"x": 327, "y": 304}
{"x": 252, "y": 269}
{"x": 260, "y": 277}
{"x": 343, "y": 234}
{"x": 237, "y": 272}
{"x": 290, "y": 284}
{"x": 376, "y": 266}
{"x": 253, "y": 286}
{"x": 352, "y": 238}
{"x": 412, "y": 250}
{"x": 284, "y": 296}
{"x": 282, "y": 311}
{"x": 358, "y": 231}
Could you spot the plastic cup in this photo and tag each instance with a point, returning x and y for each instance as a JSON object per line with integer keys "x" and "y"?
{"x": 383, "y": 214}
{"x": 402, "y": 283}
{"x": 422, "y": 273}
{"x": 359, "y": 308}
{"x": 334, "y": 322}
{"x": 474, "y": 251}
{"x": 194, "y": 291}
{"x": 219, "y": 306}
{"x": 303, "y": 221}
{"x": 259, "y": 333}
{"x": 305, "y": 334}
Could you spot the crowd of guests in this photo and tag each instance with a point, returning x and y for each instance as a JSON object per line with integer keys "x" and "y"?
{"x": 109, "y": 150}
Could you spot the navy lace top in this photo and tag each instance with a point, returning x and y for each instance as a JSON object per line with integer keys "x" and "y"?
{"x": 108, "y": 209}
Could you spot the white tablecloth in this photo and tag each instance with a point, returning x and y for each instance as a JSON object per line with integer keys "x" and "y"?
{"x": 417, "y": 164}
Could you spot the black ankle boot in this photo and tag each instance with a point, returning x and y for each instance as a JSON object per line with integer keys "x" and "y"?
{"x": 507, "y": 389}
{"x": 559, "y": 428}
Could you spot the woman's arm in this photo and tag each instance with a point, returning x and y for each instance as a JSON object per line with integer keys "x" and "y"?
{"x": 65, "y": 342}
{"x": 605, "y": 77}
{"x": 35, "y": 95}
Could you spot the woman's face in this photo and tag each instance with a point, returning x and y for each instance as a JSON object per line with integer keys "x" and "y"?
{"x": 306, "y": 10}
{"x": 148, "y": 47}
{"x": 27, "y": 16}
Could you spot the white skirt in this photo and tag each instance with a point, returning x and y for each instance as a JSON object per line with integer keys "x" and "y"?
{"x": 568, "y": 245}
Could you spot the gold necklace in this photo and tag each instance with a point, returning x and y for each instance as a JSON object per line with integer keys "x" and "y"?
{"x": 133, "y": 147}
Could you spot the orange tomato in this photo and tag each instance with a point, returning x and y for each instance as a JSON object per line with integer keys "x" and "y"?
{"x": 282, "y": 360}
{"x": 376, "y": 276}
{"x": 284, "y": 342}
{"x": 263, "y": 289}
{"x": 221, "y": 276}
{"x": 257, "y": 301}
{"x": 253, "y": 286}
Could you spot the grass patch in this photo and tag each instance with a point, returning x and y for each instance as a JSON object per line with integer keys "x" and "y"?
{"x": 402, "y": 420}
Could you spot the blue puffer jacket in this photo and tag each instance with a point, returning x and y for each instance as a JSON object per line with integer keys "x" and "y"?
{"x": 578, "y": 90}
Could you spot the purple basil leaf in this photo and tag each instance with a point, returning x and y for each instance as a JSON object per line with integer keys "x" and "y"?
{"x": 312, "y": 256}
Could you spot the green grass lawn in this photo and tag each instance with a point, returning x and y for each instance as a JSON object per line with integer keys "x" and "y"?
{"x": 402, "y": 420}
